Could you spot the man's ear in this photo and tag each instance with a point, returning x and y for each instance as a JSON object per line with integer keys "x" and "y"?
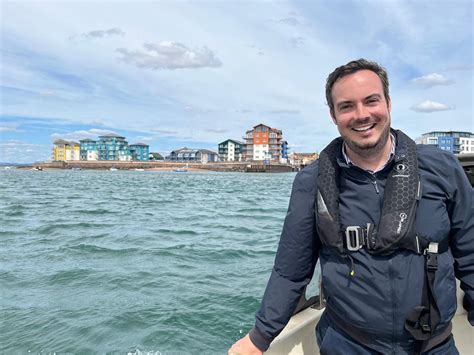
{"x": 389, "y": 104}
{"x": 331, "y": 113}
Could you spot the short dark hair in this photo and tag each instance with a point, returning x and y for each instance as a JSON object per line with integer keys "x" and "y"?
{"x": 351, "y": 68}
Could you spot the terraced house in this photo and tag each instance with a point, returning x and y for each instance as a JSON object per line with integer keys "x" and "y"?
{"x": 190, "y": 155}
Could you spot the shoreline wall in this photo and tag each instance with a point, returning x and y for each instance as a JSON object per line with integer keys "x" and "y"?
{"x": 125, "y": 165}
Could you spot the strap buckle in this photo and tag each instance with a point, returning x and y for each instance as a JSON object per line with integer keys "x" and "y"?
{"x": 353, "y": 240}
{"x": 432, "y": 256}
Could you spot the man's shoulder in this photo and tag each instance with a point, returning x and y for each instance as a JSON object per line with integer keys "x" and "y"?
{"x": 432, "y": 157}
{"x": 307, "y": 177}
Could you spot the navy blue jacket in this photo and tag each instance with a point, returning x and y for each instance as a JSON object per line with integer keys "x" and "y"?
{"x": 385, "y": 289}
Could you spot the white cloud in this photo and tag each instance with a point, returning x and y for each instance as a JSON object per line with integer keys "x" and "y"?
{"x": 14, "y": 151}
{"x": 432, "y": 80}
{"x": 98, "y": 34}
{"x": 216, "y": 130}
{"x": 296, "y": 41}
{"x": 431, "y": 106}
{"x": 77, "y": 135}
{"x": 170, "y": 55}
{"x": 10, "y": 128}
{"x": 291, "y": 20}
{"x": 164, "y": 131}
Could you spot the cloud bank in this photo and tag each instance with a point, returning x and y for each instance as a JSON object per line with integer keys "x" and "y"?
{"x": 82, "y": 134}
{"x": 432, "y": 80}
{"x": 169, "y": 55}
{"x": 431, "y": 106}
{"x": 98, "y": 34}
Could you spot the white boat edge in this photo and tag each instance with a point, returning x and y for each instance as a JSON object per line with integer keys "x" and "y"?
{"x": 299, "y": 336}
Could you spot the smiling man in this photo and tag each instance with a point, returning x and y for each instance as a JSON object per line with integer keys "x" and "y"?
{"x": 392, "y": 225}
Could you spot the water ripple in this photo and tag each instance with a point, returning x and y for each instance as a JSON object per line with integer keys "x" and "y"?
{"x": 100, "y": 261}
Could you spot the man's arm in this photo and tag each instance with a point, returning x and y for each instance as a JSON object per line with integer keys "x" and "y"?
{"x": 461, "y": 212}
{"x": 294, "y": 264}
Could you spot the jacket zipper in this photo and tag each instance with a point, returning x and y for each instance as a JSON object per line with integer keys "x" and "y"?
{"x": 374, "y": 182}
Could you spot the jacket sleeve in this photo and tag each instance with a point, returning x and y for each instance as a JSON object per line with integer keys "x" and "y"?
{"x": 461, "y": 211}
{"x": 294, "y": 263}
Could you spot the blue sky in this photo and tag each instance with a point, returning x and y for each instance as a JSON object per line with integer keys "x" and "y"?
{"x": 195, "y": 73}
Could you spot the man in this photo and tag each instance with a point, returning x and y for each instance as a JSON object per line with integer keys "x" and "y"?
{"x": 392, "y": 224}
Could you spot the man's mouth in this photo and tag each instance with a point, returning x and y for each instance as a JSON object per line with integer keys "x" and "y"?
{"x": 363, "y": 128}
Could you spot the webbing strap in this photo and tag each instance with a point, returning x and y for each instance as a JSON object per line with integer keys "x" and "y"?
{"x": 421, "y": 323}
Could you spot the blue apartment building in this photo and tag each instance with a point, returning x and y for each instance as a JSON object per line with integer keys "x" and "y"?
{"x": 88, "y": 146}
{"x": 139, "y": 152}
{"x": 113, "y": 147}
{"x": 456, "y": 142}
{"x": 284, "y": 151}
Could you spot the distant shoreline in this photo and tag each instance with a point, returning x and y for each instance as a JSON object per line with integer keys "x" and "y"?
{"x": 254, "y": 166}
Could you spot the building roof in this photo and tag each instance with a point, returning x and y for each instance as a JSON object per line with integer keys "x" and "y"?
{"x": 232, "y": 140}
{"x": 111, "y": 135}
{"x": 207, "y": 151}
{"x": 261, "y": 124}
{"x": 139, "y": 144}
{"x": 156, "y": 154}
{"x": 87, "y": 140}
{"x": 62, "y": 141}
{"x": 185, "y": 150}
{"x": 190, "y": 150}
{"x": 464, "y": 134}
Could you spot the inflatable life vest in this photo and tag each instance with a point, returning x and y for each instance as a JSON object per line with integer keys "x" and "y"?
{"x": 395, "y": 229}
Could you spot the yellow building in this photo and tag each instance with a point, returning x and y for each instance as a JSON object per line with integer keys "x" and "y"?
{"x": 66, "y": 151}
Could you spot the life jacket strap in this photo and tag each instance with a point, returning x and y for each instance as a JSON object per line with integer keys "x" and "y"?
{"x": 423, "y": 320}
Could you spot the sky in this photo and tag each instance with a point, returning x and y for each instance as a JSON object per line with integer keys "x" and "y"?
{"x": 195, "y": 73}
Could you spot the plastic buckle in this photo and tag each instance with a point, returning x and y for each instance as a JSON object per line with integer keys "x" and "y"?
{"x": 432, "y": 257}
{"x": 352, "y": 238}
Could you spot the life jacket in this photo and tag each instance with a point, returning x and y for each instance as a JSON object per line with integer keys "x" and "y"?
{"x": 395, "y": 229}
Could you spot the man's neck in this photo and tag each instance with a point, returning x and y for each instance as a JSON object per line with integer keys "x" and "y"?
{"x": 372, "y": 163}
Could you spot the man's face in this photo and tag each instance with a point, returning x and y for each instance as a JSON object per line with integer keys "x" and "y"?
{"x": 361, "y": 112}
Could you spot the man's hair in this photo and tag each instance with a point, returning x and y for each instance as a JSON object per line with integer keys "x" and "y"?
{"x": 351, "y": 68}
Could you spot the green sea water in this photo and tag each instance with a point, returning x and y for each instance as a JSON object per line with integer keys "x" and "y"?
{"x": 135, "y": 262}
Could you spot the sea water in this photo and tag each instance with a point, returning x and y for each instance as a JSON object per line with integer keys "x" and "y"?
{"x": 135, "y": 262}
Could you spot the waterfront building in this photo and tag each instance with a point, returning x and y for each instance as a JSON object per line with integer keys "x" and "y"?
{"x": 263, "y": 143}
{"x": 457, "y": 142}
{"x": 231, "y": 150}
{"x": 89, "y": 149}
{"x": 284, "y": 152}
{"x": 113, "y": 147}
{"x": 139, "y": 152}
{"x": 193, "y": 155}
{"x": 155, "y": 156}
{"x": 207, "y": 156}
{"x": 302, "y": 159}
{"x": 65, "y": 150}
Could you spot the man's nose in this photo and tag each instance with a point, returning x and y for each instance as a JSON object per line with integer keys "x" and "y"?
{"x": 361, "y": 111}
